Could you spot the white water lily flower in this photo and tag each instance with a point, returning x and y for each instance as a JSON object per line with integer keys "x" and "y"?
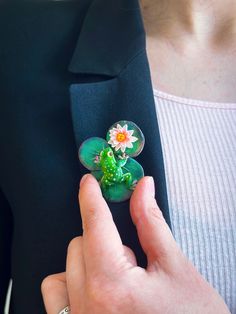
{"x": 121, "y": 138}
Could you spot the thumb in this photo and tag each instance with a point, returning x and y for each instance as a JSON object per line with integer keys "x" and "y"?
{"x": 154, "y": 234}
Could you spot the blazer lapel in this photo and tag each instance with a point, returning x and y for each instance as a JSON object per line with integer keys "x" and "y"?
{"x": 112, "y": 34}
{"x": 95, "y": 106}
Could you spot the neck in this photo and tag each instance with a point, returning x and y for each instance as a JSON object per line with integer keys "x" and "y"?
{"x": 205, "y": 20}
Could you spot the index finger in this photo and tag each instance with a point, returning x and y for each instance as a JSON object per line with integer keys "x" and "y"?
{"x": 102, "y": 243}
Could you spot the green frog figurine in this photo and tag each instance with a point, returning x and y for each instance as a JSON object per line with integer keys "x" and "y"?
{"x": 112, "y": 169}
{"x": 111, "y": 160}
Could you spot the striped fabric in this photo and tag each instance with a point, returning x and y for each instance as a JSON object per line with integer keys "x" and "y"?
{"x": 199, "y": 147}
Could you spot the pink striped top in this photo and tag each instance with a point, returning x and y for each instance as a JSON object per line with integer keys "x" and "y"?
{"x": 199, "y": 148}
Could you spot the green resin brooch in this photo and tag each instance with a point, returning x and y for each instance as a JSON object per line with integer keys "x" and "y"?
{"x": 111, "y": 162}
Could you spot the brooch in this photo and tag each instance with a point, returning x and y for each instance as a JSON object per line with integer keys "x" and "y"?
{"x": 110, "y": 161}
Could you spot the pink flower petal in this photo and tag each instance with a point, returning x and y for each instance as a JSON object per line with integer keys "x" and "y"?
{"x": 133, "y": 139}
{"x": 123, "y": 149}
{"x": 129, "y": 145}
{"x": 118, "y": 146}
{"x": 131, "y": 132}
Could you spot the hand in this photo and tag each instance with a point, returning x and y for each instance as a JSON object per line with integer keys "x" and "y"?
{"x": 102, "y": 276}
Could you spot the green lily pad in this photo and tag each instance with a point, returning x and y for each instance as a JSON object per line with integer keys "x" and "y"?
{"x": 98, "y": 174}
{"x": 126, "y": 137}
{"x": 88, "y": 151}
{"x": 119, "y": 192}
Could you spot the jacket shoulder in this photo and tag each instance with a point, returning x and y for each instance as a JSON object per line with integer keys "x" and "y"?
{"x": 21, "y": 10}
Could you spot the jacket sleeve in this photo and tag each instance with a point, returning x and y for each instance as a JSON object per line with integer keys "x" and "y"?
{"x": 6, "y": 227}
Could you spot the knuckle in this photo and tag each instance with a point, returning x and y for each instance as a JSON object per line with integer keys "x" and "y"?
{"x": 74, "y": 243}
{"x": 104, "y": 292}
{"x": 95, "y": 291}
{"x": 100, "y": 290}
{"x": 48, "y": 284}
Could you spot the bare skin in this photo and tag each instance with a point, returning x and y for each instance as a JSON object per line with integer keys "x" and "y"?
{"x": 191, "y": 46}
{"x": 102, "y": 276}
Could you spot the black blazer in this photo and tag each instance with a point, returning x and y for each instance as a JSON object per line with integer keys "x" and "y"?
{"x": 68, "y": 71}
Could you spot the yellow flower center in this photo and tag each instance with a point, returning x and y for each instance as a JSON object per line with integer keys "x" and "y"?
{"x": 120, "y": 137}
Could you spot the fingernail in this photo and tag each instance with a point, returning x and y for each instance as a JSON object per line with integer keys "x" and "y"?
{"x": 150, "y": 186}
{"x": 84, "y": 179}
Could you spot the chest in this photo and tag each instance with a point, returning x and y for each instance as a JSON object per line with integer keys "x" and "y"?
{"x": 192, "y": 72}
